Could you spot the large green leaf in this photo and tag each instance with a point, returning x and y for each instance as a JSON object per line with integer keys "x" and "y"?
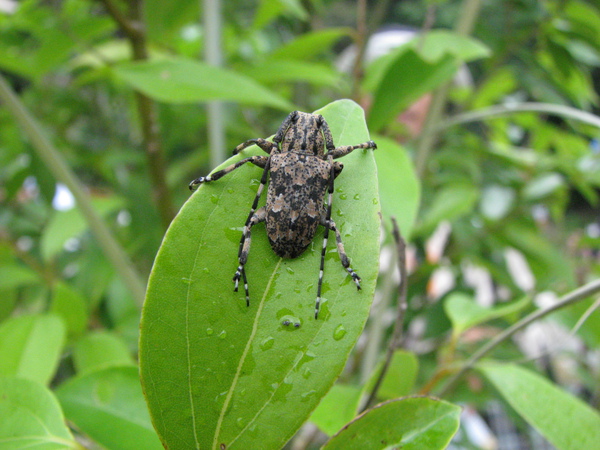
{"x": 108, "y": 405}
{"x": 409, "y": 423}
{"x": 31, "y": 346}
{"x": 216, "y": 372}
{"x": 563, "y": 419}
{"x": 187, "y": 81}
{"x": 30, "y": 417}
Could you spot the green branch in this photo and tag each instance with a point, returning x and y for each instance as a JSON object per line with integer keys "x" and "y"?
{"x": 63, "y": 173}
{"x": 572, "y": 297}
{"x": 545, "y": 108}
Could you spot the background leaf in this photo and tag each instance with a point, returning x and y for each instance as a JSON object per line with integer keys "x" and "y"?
{"x": 410, "y": 423}
{"x": 337, "y": 408}
{"x": 108, "y": 405}
{"x": 399, "y": 187}
{"x": 31, "y": 346}
{"x": 187, "y": 81}
{"x": 566, "y": 421}
{"x": 217, "y": 372}
{"x": 465, "y": 313}
{"x": 31, "y": 417}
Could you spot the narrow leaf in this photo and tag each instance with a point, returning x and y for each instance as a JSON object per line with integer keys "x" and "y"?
{"x": 409, "y": 423}
{"x": 566, "y": 421}
{"x": 219, "y": 373}
{"x": 188, "y": 81}
{"x": 31, "y": 417}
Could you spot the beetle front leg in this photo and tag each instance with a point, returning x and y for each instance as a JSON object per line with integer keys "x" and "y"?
{"x": 260, "y": 161}
{"x": 266, "y": 146}
{"x": 345, "y": 150}
{"x": 240, "y": 273}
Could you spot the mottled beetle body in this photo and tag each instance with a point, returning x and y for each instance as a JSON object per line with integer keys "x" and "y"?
{"x": 300, "y": 175}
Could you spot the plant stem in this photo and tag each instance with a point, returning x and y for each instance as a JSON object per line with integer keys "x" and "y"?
{"x": 469, "y": 11}
{"x": 572, "y": 297}
{"x": 214, "y": 56}
{"x": 133, "y": 27}
{"x": 396, "y": 338}
{"x": 504, "y": 110}
{"x": 63, "y": 173}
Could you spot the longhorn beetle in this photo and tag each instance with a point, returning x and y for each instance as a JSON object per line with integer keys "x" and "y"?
{"x": 300, "y": 173}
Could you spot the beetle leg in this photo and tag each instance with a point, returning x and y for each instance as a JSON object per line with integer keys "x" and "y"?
{"x": 253, "y": 219}
{"x": 260, "y": 161}
{"x": 258, "y": 217}
{"x": 267, "y": 146}
{"x": 343, "y": 151}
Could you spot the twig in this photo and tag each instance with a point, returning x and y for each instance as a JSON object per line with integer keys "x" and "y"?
{"x": 133, "y": 27}
{"x": 396, "y": 339}
{"x": 361, "y": 44}
{"x": 504, "y": 110}
{"x": 573, "y": 297}
{"x": 428, "y": 137}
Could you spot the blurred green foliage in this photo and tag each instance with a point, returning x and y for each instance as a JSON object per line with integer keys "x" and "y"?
{"x": 518, "y": 181}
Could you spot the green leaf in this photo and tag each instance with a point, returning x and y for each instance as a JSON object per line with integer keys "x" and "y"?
{"x": 218, "y": 372}
{"x": 566, "y": 421}
{"x": 399, "y": 187}
{"x": 402, "y": 79}
{"x": 436, "y": 44}
{"x": 337, "y": 408}
{"x": 268, "y": 10}
{"x": 31, "y": 346}
{"x": 108, "y": 405}
{"x": 308, "y": 45}
{"x": 399, "y": 378}
{"x": 410, "y": 423}
{"x": 285, "y": 70}
{"x": 70, "y": 305}
{"x": 16, "y": 275}
{"x": 65, "y": 225}
{"x": 99, "y": 350}
{"x": 464, "y": 313}
{"x": 450, "y": 202}
{"x": 187, "y": 81}
{"x": 31, "y": 417}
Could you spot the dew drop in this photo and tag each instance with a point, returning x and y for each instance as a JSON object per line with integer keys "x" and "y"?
{"x": 375, "y": 201}
{"x": 290, "y": 322}
{"x": 230, "y": 190}
{"x": 290, "y": 270}
{"x": 186, "y": 281}
{"x": 339, "y": 213}
{"x": 223, "y": 334}
{"x": 206, "y": 270}
{"x": 340, "y": 189}
{"x": 306, "y": 374}
{"x": 267, "y": 343}
{"x": 339, "y": 332}
{"x": 343, "y": 196}
{"x": 214, "y": 199}
{"x": 209, "y": 331}
{"x": 240, "y": 422}
{"x": 357, "y": 197}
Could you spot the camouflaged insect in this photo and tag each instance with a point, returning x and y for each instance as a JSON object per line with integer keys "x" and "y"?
{"x": 300, "y": 174}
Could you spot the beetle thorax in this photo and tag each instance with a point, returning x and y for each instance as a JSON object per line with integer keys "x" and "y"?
{"x": 304, "y": 136}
